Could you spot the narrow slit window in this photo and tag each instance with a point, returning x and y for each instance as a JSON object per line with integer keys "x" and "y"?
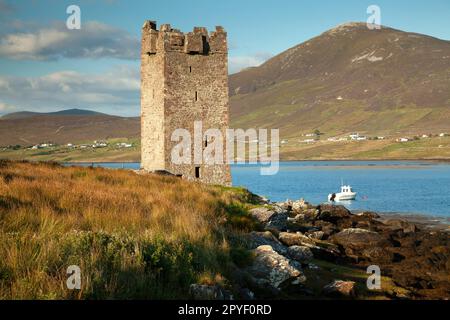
{"x": 197, "y": 172}
{"x": 206, "y": 142}
{"x": 190, "y": 69}
{"x": 196, "y": 96}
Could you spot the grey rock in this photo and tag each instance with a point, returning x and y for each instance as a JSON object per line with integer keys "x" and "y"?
{"x": 333, "y": 213}
{"x": 256, "y": 239}
{"x": 300, "y": 205}
{"x": 368, "y": 215}
{"x": 262, "y": 214}
{"x": 295, "y": 239}
{"x": 301, "y": 254}
{"x": 273, "y": 269}
{"x": 356, "y": 238}
{"x": 319, "y": 235}
{"x": 277, "y": 223}
{"x": 284, "y": 206}
{"x": 206, "y": 292}
{"x": 339, "y": 288}
{"x": 405, "y": 226}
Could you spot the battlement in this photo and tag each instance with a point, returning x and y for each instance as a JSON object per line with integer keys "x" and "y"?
{"x": 167, "y": 39}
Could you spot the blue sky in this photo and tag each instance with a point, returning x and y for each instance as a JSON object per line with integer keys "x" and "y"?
{"x": 45, "y": 67}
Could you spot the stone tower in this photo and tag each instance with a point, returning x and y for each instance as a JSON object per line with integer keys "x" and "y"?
{"x": 184, "y": 78}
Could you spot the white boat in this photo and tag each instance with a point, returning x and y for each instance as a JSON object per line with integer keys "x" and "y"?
{"x": 346, "y": 193}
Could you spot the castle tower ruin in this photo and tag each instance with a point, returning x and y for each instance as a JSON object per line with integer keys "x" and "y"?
{"x": 184, "y": 78}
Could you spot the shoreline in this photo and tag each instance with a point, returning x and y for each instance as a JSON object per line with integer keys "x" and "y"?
{"x": 422, "y": 220}
{"x": 427, "y": 221}
{"x": 445, "y": 160}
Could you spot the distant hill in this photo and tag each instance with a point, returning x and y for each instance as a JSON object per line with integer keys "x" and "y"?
{"x": 349, "y": 79}
{"x": 67, "y": 126}
{"x": 69, "y": 112}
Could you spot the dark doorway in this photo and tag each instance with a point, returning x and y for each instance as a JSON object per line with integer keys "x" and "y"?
{"x": 197, "y": 172}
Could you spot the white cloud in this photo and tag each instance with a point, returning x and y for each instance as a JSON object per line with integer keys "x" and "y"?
{"x": 240, "y": 63}
{"x": 93, "y": 40}
{"x": 115, "y": 91}
{"x": 6, "y": 108}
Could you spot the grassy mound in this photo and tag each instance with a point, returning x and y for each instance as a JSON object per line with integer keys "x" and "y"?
{"x": 133, "y": 236}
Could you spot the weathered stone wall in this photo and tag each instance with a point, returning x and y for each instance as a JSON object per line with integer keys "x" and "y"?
{"x": 152, "y": 101}
{"x": 190, "y": 81}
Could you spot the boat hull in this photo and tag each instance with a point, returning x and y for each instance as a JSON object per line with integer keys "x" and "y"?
{"x": 343, "y": 196}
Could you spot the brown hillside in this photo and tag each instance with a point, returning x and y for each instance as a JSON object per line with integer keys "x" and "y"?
{"x": 349, "y": 78}
{"x": 66, "y": 128}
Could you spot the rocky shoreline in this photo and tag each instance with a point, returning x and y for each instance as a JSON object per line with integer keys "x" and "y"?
{"x": 305, "y": 251}
{"x": 423, "y": 221}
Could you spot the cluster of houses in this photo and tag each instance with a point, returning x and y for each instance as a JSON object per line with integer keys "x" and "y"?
{"x": 314, "y": 137}
{"x": 350, "y": 137}
{"x": 424, "y": 136}
{"x": 42, "y": 146}
{"x": 95, "y": 145}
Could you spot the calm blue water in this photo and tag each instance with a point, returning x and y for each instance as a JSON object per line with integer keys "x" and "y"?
{"x": 383, "y": 186}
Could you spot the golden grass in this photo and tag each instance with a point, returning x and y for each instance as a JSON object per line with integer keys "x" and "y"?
{"x": 133, "y": 236}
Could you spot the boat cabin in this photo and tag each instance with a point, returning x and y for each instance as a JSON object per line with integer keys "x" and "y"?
{"x": 346, "y": 189}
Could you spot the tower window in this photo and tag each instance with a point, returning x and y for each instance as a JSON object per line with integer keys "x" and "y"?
{"x": 190, "y": 69}
{"x": 196, "y": 96}
{"x": 197, "y": 172}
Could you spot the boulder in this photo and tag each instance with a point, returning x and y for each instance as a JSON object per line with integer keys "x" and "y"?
{"x": 277, "y": 223}
{"x": 299, "y": 223}
{"x": 368, "y": 214}
{"x": 300, "y": 205}
{"x": 207, "y": 292}
{"x": 378, "y": 254}
{"x": 283, "y": 207}
{"x": 294, "y": 239}
{"x": 301, "y": 254}
{"x": 363, "y": 244}
{"x": 273, "y": 269}
{"x": 317, "y": 235}
{"x": 405, "y": 226}
{"x": 262, "y": 214}
{"x": 325, "y": 251}
{"x": 299, "y": 219}
{"x": 256, "y": 239}
{"x": 311, "y": 214}
{"x": 339, "y": 289}
{"x": 294, "y": 224}
{"x": 359, "y": 239}
{"x": 333, "y": 213}
{"x": 326, "y": 227}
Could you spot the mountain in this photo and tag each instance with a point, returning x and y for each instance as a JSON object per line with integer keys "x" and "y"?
{"x": 69, "y": 112}
{"x": 348, "y": 79}
{"x": 67, "y": 126}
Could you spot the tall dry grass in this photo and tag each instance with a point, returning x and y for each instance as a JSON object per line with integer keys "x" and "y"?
{"x": 133, "y": 236}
